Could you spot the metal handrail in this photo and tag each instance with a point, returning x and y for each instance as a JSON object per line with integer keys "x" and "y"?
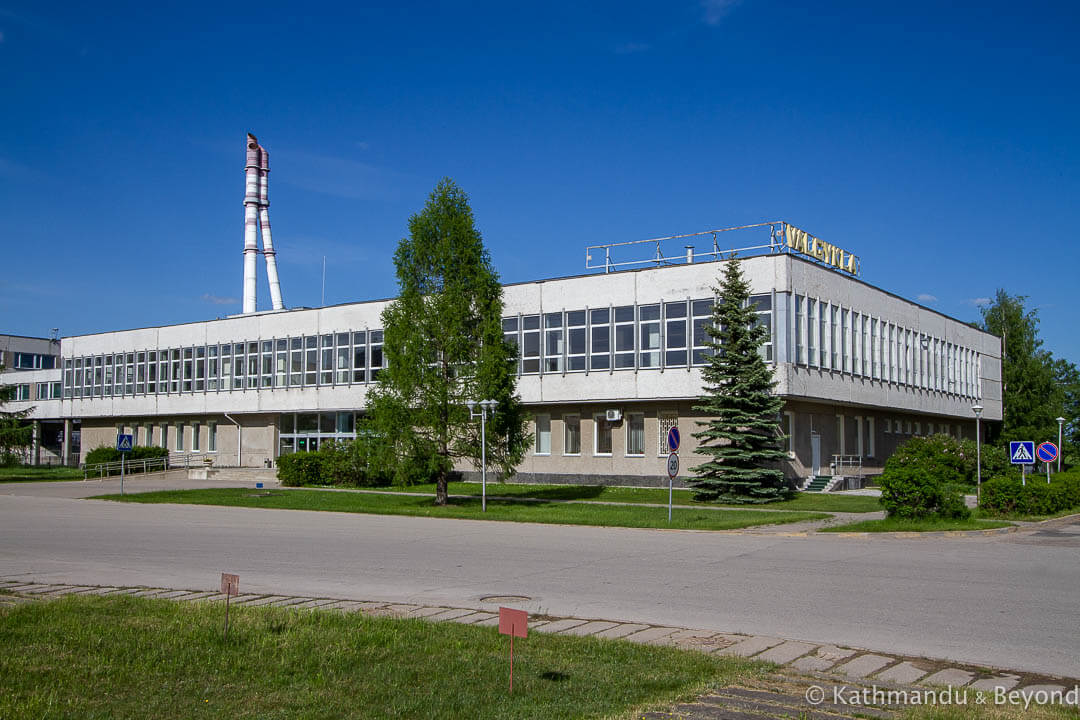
{"x": 840, "y": 462}
{"x": 113, "y": 468}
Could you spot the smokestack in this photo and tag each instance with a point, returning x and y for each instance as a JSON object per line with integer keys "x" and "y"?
{"x": 251, "y": 219}
{"x": 264, "y": 222}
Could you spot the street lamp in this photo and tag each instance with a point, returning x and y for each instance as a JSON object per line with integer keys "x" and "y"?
{"x": 484, "y": 406}
{"x": 1061, "y": 424}
{"x": 977, "y": 409}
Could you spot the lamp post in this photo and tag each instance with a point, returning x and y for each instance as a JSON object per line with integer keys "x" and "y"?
{"x": 977, "y": 409}
{"x": 1061, "y": 424}
{"x": 484, "y": 406}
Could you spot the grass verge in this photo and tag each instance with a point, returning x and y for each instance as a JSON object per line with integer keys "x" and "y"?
{"x": 469, "y": 508}
{"x": 810, "y": 502}
{"x": 39, "y": 474}
{"x": 924, "y": 525}
{"x": 122, "y": 657}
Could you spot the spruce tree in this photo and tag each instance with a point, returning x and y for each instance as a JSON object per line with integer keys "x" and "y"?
{"x": 741, "y": 437}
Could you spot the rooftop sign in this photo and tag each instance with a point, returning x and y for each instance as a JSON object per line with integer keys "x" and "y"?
{"x": 802, "y": 242}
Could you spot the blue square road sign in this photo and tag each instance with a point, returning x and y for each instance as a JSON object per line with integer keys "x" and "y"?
{"x": 1022, "y": 452}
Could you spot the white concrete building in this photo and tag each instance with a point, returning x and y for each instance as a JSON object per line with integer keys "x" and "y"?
{"x": 860, "y": 370}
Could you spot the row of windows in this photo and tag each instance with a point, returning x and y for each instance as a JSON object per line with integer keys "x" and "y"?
{"x": 832, "y": 337}
{"x": 331, "y": 359}
{"x": 627, "y": 337}
{"x": 33, "y": 361}
{"x": 603, "y": 431}
{"x": 42, "y": 391}
{"x": 183, "y": 437}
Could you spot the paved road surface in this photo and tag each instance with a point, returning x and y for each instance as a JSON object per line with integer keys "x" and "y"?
{"x": 1008, "y": 601}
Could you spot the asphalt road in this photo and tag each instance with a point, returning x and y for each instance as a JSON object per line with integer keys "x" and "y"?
{"x": 1008, "y": 601}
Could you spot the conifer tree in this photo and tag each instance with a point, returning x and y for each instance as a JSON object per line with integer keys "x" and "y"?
{"x": 741, "y": 436}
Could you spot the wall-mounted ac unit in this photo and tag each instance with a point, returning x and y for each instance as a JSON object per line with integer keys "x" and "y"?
{"x": 614, "y": 415}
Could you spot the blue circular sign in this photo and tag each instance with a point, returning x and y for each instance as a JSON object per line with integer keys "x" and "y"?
{"x": 673, "y": 439}
{"x": 1047, "y": 452}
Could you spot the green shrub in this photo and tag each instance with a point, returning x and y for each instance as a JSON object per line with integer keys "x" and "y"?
{"x": 147, "y": 452}
{"x": 351, "y": 463}
{"x": 103, "y": 454}
{"x": 299, "y": 469}
{"x": 920, "y": 480}
{"x": 910, "y": 492}
{"x": 1007, "y": 496}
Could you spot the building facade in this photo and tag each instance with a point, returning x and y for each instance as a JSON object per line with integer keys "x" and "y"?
{"x": 608, "y": 362}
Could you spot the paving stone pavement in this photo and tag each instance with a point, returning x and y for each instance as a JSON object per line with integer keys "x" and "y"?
{"x": 823, "y": 664}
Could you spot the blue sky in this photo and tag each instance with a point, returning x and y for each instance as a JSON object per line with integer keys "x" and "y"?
{"x": 940, "y": 142}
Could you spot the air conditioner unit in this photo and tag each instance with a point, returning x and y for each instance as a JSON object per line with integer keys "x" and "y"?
{"x": 614, "y": 415}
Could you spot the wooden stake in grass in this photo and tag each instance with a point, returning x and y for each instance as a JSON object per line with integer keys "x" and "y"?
{"x": 230, "y": 585}
{"x": 514, "y": 623}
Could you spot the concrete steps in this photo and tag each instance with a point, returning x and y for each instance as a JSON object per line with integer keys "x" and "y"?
{"x": 238, "y": 475}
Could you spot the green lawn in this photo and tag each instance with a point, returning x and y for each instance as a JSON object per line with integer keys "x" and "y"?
{"x": 22, "y": 473}
{"x": 538, "y": 512}
{"x": 928, "y": 525}
{"x": 122, "y": 657}
{"x": 813, "y": 502}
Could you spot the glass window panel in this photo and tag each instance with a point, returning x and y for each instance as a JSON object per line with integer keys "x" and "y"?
{"x": 307, "y": 422}
{"x": 530, "y": 344}
{"x": 571, "y": 435}
{"x": 553, "y": 342}
{"x": 649, "y": 327}
{"x": 346, "y": 422}
{"x": 543, "y": 435}
{"x": 359, "y": 357}
{"x": 602, "y": 436}
{"x": 327, "y": 422}
{"x": 377, "y": 359}
{"x": 635, "y": 434}
{"x": 675, "y": 334}
{"x": 624, "y": 337}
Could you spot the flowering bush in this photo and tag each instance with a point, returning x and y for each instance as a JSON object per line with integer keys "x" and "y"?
{"x": 919, "y": 479}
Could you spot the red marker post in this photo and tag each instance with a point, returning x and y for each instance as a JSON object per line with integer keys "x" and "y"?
{"x": 514, "y": 623}
{"x": 230, "y": 585}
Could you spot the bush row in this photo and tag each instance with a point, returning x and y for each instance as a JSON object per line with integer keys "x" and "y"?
{"x": 351, "y": 463}
{"x": 1006, "y": 496}
{"x": 107, "y": 454}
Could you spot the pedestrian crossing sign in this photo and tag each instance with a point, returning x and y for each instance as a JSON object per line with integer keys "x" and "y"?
{"x": 1022, "y": 452}
{"x": 124, "y": 443}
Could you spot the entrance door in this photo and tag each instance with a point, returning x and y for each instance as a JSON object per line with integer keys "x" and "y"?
{"x": 815, "y": 453}
{"x": 307, "y": 444}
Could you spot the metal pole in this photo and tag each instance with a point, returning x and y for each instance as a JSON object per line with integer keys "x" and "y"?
{"x": 121, "y": 473}
{"x": 483, "y": 493}
{"x": 670, "y": 483}
{"x": 978, "y": 462}
{"x": 1061, "y": 450}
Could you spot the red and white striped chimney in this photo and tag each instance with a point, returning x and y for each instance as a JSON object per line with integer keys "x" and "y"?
{"x": 251, "y": 220}
{"x": 264, "y": 222}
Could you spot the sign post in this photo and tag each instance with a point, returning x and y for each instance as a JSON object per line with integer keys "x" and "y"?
{"x": 514, "y": 623}
{"x": 1048, "y": 453}
{"x": 1022, "y": 453}
{"x": 124, "y": 443}
{"x": 673, "y": 440}
{"x": 230, "y": 585}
